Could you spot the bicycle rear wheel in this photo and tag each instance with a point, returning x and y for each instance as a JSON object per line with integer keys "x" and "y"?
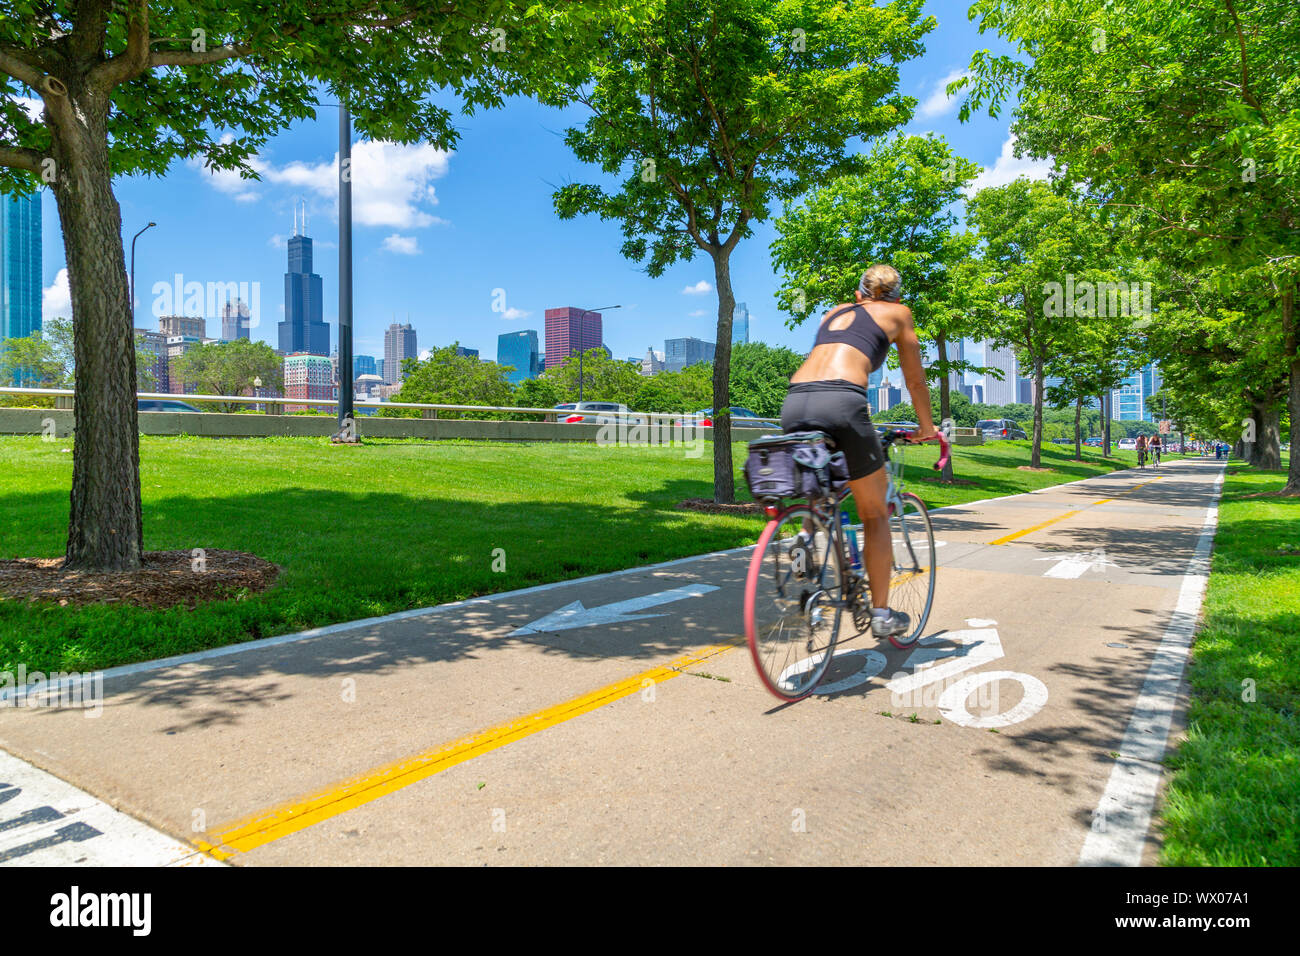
{"x": 793, "y": 604}
{"x": 911, "y": 584}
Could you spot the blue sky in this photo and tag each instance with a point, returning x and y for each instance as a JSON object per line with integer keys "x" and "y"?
{"x": 435, "y": 234}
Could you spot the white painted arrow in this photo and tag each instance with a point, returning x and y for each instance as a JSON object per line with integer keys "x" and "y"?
{"x": 1075, "y": 565}
{"x": 576, "y": 615}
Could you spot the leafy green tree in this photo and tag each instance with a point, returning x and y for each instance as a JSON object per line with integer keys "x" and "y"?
{"x": 760, "y": 376}
{"x": 1033, "y": 244}
{"x": 229, "y": 368}
{"x": 1186, "y": 115}
{"x": 39, "y": 360}
{"x": 604, "y": 379}
{"x": 714, "y": 112}
{"x": 129, "y": 87}
{"x": 446, "y": 378}
{"x": 897, "y": 206}
{"x": 540, "y": 392}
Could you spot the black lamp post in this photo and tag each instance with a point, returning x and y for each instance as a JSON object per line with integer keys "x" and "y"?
{"x": 586, "y": 313}
{"x": 133, "y": 239}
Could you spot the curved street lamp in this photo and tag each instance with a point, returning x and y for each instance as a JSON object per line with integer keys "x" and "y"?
{"x": 133, "y": 239}
{"x": 584, "y": 314}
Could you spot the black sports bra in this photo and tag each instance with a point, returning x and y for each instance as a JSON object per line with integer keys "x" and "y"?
{"x": 862, "y": 333}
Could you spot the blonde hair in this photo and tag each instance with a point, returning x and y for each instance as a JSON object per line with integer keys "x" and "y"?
{"x": 881, "y": 282}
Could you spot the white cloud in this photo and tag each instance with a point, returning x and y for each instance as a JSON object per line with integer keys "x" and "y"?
{"x": 1008, "y": 169}
{"x": 402, "y": 245}
{"x": 700, "y": 288}
{"x": 392, "y": 184}
{"x": 513, "y": 313}
{"x": 56, "y": 301}
{"x": 938, "y": 102}
{"x": 699, "y": 312}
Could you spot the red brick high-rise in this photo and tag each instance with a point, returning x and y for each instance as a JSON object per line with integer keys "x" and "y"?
{"x": 569, "y": 330}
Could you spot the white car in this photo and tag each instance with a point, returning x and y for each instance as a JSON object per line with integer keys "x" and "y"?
{"x": 1128, "y": 444}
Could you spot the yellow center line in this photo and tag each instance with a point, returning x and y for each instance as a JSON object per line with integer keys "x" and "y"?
{"x": 265, "y": 826}
{"x": 1051, "y": 521}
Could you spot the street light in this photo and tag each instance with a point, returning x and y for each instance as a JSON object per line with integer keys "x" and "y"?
{"x": 133, "y": 239}
{"x": 580, "y": 318}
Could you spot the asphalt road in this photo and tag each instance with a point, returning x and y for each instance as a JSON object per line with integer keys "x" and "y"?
{"x": 618, "y": 719}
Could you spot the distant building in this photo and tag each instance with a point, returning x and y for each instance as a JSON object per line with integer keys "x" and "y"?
{"x": 1003, "y": 391}
{"x": 21, "y": 284}
{"x": 308, "y": 376}
{"x": 653, "y": 363}
{"x": 570, "y": 330}
{"x": 519, "y": 351}
{"x": 379, "y": 368}
{"x": 1024, "y": 391}
{"x": 884, "y": 397}
{"x": 466, "y": 353}
{"x": 399, "y": 345}
{"x": 973, "y": 392}
{"x": 235, "y": 321}
{"x": 190, "y": 326}
{"x": 304, "y": 328}
{"x": 956, "y": 353}
{"x": 364, "y": 365}
{"x": 155, "y": 344}
{"x": 680, "y": 353}
{"x": 368, "y": 387}
{"x": 1129, "y": 402}
{"x": 178, "y": 345}
{"x": 740, "y": 324}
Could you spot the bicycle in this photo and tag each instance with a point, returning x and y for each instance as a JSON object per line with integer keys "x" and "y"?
{"x": 1142, "y": 457}
{"x": 797, "y": 589}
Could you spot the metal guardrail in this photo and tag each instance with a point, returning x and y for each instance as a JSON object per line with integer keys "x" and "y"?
{"x": 275, "y": 406}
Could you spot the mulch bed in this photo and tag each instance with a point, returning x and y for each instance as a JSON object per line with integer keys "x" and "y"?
{"x": 713, "y": 508}
{"x": 166, "y": 579}
{"x": 1032, "y": 468}
{"x": 958, "y": 482}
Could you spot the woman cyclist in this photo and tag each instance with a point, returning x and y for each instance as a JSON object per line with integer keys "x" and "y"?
{"x": 829, "y": 393}
{"x": 1141, "y": 445}
{"x": 1154, "y": 446}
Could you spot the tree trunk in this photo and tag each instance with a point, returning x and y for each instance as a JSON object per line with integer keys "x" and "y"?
{"x": 724, "y": 478}
{"x": 1267, "y": 448}
{"x": 105, "y": 527}
{"x": 1036, "y": 458}
{"x": 945, "y": 398}
{"x": 1103, "y": 403}
{"x": 1292, "y": 343}
{"x": 1078, "y": 443}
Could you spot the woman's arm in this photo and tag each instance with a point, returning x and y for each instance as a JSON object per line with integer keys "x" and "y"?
{"x": 909, "y": 359}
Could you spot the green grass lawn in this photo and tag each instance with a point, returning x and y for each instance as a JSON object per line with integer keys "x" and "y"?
{"x": 1234, "y": 798}
{"x": 393, "y": 525}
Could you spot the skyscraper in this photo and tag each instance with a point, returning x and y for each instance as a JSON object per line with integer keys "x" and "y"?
{"x": 235, "y": 320}
{"x": 20, "y": 268}
{"x": 1129, "y": 401}
{"x": 363, "y": 365}
{"x": 308, "y": 376}
{"x": 570, "y": 330}
{"x": 1004, "y": 391}
{"x": 399, "y": 345}
{"x": 303, "y": 328}
{"x": 740, "y": 324}
{"x": 519, "y": 350}
{"x": 653, "y": 363}
{"x": 956, "y": 353}
{"x": 679, "y": 353}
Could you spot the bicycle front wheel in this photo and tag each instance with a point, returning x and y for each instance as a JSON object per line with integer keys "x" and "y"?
{"x": 911, "y": 583}
{"x": 793, "y": 603}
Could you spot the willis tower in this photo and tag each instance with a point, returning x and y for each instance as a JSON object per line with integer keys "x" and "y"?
{"x": 303, "y": 329}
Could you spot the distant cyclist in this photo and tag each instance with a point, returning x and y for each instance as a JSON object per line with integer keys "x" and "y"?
{"x": 829, "y": 393}
{"x": 1155, "y": 446}
{"x": 1142, "y": 451}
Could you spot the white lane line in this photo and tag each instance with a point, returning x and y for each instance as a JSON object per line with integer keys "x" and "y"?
{"x": 1123, "y": 815}
{"x": 45, "y": 821}
{"x": 127, "y": 670}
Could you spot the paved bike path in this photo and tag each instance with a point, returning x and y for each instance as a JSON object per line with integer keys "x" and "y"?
{"x": 629, "y": 728}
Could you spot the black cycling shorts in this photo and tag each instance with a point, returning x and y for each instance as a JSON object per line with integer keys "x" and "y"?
{"x": 839, "y": 409}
